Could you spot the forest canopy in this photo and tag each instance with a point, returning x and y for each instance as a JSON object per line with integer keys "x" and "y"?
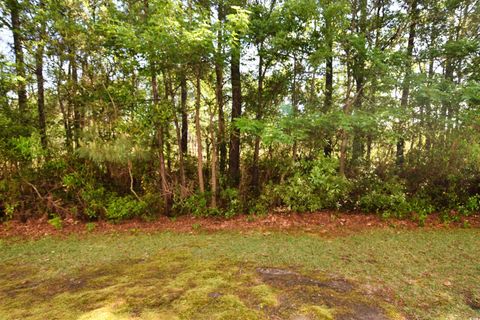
{"x": 114, "y": 109}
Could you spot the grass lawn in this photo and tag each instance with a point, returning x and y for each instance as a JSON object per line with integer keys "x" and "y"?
{"x": 379, "y": 274}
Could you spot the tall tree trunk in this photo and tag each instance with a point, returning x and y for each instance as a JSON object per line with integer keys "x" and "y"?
{"x": 327, "y": 150}
{"x": 40, "y": 82}
{"x": 16, "y": 25}
{"x": 343, "y": 132}
{"x": 234, "y": 152}
{"x": 256, "y": 150}
{"x": 294, "y": 103}
{"x": 222, "y": 144}
{"x": 213, "y": 163}
{"x": 74, "y": 101}
{"x": 346, "y": 110}
{"x": 183, "y": 110}
{"x": 64, "y": 111}
{"x": 377, "y": 27}
{"x": 428, "y": 107}
{"x": 163, "y": 172}
{"x": 359, "y": 70}
{"x": 201, "y": 183}
{"x": 181, "y": 162}
{"x": 166, "y": 193}
{"x": 400, "y": 157}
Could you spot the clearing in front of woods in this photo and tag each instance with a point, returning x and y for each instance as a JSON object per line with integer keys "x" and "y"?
{"x": 376, "y": 274}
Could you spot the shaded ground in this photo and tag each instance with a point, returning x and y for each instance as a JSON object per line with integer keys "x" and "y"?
{"x": 379, "y": 274}
{"x": 329, "y": 224}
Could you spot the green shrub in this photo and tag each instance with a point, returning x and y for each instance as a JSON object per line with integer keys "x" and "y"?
{"x": 96, "y": 199}
{"x": 195, "y": 204}
{"x": 316, "y": 185}
{"x": 153, "y": 204}
{"x": 10, "y": 197}
{"x": 420, "y": 208}
{"x": 331, "y": 188}
{"x": 120, "y": 208}
{"x": 231, "y": 204}
{"x": 93, "y": 197}
{"x": 73, "y": 181}
{"x": 10, "y": 210}
{"x": 268, "y": 199}
{"x": 298, "y": 194}
{"x": 385, "y": 198}
{"x": 472, "y": 205}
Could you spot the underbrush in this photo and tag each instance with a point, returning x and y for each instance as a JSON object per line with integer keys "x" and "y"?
{"x": 86, "y": 191}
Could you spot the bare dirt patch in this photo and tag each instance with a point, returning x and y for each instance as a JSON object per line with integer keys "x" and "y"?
{"x": 311, "y": 298}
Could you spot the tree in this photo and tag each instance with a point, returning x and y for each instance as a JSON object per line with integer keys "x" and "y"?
{"x": 15, "y": 9}
{"x": 413, "y": 14}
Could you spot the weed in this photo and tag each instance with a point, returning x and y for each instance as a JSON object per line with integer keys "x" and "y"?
{"x": 90, "y": 226}
{"x": 56, "y": 222}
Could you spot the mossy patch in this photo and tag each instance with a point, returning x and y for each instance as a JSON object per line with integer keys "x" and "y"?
{"x": 318, "y": 312}
{"x": 165, "y": 286}
{"x": 265, "y": 295}
{"x": 215, "y": 275}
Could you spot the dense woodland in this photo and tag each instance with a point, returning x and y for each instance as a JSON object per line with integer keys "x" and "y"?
{"x": 112, "y": 109}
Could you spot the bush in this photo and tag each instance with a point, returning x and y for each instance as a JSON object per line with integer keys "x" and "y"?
{"x": 120, "y": 208}
{"x": 195, "y": 204}
{"x": 472, "y": 205}
{"x": 314, "y": 186}
{"x": 269, "y": 198}
{"x": 93, "y": 197}
{"x": 385, "y": 198}
{"x": 420, "y": 208}
{"x": 331, "y": 188}
{"x": 231, "y": 204}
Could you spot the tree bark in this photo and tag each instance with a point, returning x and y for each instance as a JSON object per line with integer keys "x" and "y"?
{"x": 234, "y": 152}
{"x": 256, "y": 151}
{"x": 294, "y": 103}
{"x": 166, "y": 194}
{"x": 40, "y": 82}
{"x": 400, "y": 156}
{"x": 213, "y": 163}
{"x": 16, "y": 25}
{"x": 222, "y": 144}
{"x": 327, "y": 150}
{"x": 73, "y": 98}
{"x": 184, "y": 114}
{"x": 181, "y": 162}
{"x": 198, "y": 131}
{"x": 359, "y": 75}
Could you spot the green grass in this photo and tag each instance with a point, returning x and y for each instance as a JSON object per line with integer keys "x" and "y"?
{"x": 427, "y": 274}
